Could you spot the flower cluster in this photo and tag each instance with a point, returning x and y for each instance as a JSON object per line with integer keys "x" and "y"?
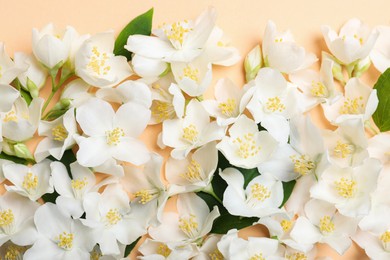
{"x": 91, "y": 188}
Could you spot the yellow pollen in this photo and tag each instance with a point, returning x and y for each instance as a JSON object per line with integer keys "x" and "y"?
{"x": 302, "y": 165}
{"x": 163, "y": 250}
{"x": 342, "y": 150}
{"x": 177, "y": 32}
{"x": 162, "y": 110}
{"x": 228, "y": 107}
{"x": 246, "y": 146}
{"x": 113, "y": 217}
{"x": 190, "y": 133}
{"x": 14, "y": 252}
{"x": 10, "y": 116}
{"x": 6, "y": 218}
{"x": 297, "y": 256}
{"x": 260, "y": 192}
{"x": 191, "y": 73}
{"x": 352, "y": 106}
{"x": 318, "y": 89}
{"x": 216, "y": 255}
{"x": 220, "y": 44}
{"x": 278, "y": 39}
{"x": 98, "y": 61}
{"x": 59, "y": 133}
{"x": 30, "y": 181}
{"x": 257, "y": 257}
{"x": 193, "y": 173}
{"x": 274, "y": 104}
{"x": 114, "y": 136}
{"x": 345, "y": 187}
{"x": 286, "y": 225}
{"x": 145, "y": 196}
{"x": 326, "y": 225}
{"x": 65, "y": 241}
{"x": 360, "y": 39}
{"x": 79, "y": 184}
{"x": 188, "y": 225}
{"x": 385, "y": 237}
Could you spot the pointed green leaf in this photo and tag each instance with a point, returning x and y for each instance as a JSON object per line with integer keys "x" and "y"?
{"x": 130, "y": 247}
{"x": 382, "y": 114}
{"x": 26, "y": 96}
{"x": 140, "y": 25}
{"x": 288, "y": 188}
{"x": 13, "y": 158}
{"x": 225, "y": 222}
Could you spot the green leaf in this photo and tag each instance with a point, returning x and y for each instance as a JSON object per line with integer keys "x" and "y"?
{"x": 288, "y": 188}
{"x": 26, "y": 96}
{"x": 249, "y": 174}
{"x": 50, "y": 197}
{"x": 225, "y": 222}
{"x": 211, "y": 202}
{"x": 140, "y": 25}
{"x": 13, "y": 158}
{"x": 382, "y": 114}
{"x": 130, "y": 247}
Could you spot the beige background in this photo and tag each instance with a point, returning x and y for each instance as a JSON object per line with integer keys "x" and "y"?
{"x": 243, "y": 21}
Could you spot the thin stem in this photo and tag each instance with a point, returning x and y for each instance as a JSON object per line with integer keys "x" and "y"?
{"x": 209, "y": 190}
{"x": 48, "y": 101}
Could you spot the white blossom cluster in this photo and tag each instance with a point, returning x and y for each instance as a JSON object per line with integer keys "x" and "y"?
{"x": 116, "y": 190}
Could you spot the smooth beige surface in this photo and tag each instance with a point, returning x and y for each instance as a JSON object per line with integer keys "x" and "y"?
{"x": 244, "y": 21}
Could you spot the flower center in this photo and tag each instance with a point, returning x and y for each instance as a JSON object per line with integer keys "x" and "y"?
{"x": 10, "y": 116}
{"x": 193, "y": 173}
{"x": 79, "y": 184}
{"x": 302, "y": 165}
{"x": 257, "y": 257}
{"x": 190, "y": 133}
{"x": 162, "y": 110}
{"x": 342, "y": 150}
{"x": 259, "y": 192}
{"x": 345, "y": 187}
{"x": 326, "y": 225}
{"x": 14, "y": 252}
{"x": 113, "y": 217}
{"x": 146, "y": 195}
{"x": 318, "y": 89}
{"x": 228, "y": 107}
{"x": 65, "y": 241}
{"x": 216, "y": 255}
{"x": 286, "y": 225}
{"x": 385, "y": 238}
{"x": 188, "y": 225}
{"x": 176, "y": 32}
{"x": 30, "y": 181}
{"x": 191, "y": 73}
{"x": 6, "y": 218}
{"x": 97, "y": 62}
{"x": 163, "y": 250}
{"x": 246, "y": 146}
{"x": 297, "y": 256}
{"x": 352, "y": 106}
{"x": 114, "y": 136}
{"x": 59, "y": 133}
{"x": 274, "y": 104}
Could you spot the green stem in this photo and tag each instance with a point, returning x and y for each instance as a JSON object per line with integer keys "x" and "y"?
{"x": 48, "y": 101}
{"x": 209, "y": 190}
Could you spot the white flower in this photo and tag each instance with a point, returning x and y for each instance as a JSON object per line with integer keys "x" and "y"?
{"x": 209, "y": 248}
{"x": 353, "y": 43}
{"x": 316, "y": 87}
{"x": 359, "y": 101}
{"x": 379, "y": 147}
{"x": 8, "y": 96}
{"x": 16, "y": 217}
{"x": 246, "y": 146}
{"x": 147, "y": 186}
{"x": 156, "y": 250}
{"x": 233, "y": 247}
{"x": 52, "y": 48}
{"x": 261, "y": 197}
{"x": 112, "y": 219}
{"x": 190, "y": 132}
{"x": 253, "y": 62}
{"x": 282, "y": 53}
{"x": 147, "y": 68}
{"x": 77, "y": 92}
{"x": 96, "y": 64}
{"x": 72, "y": 191}
{"x": 323, "y": 224}
{"x": 8, "y": 69}
{"x": 192, "y": 221}
{"x": 110, "y": 134}
{"x": 347, "y": 146}
{"x": 3, "y": 162}
{"x": 31, "y": 182}
{"x": 273, "y": 102}
{"x": 178, "y": 42}
{"x": 21, "y": 122}
{"x": 376, "y": 246}
{"x": 349, "y": 188}
{"x": 380, "y": 54}
{"x": 59, "y": 136}
{"x": 194, "y": 172}
{"x": 227, "y": 106}
{"x": 61, "y": 237}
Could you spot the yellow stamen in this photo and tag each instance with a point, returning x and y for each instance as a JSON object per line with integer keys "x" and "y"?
{"x": 193, "y": 173}
{"x": 162, "y": 110}
{"x": 216, "y": 255}
{"x": 260, "y": 192}
{"x": 297, "y": 256}
{"x": 114, "y": 136}
{"x": 302, "y": 165}
{"x": 65, "y": 241}
{"x": 188, "y": 225}
{"x": 177, "y": 32}
{"x": 59, "y": 133}
{"x": 286, "y": 225}
{"x": 247, "y": 146}
{"x": 145, "y": 196}
{"x": 6, "y": 218}
{"x": 228, "y": 107}
{"x": 14, "y": 252}
{"x": 190, "y": 133}
{"x": 30, "y": 181}
{"x": 79, "y": 184}
{"x": 360, "y": 39}
{"x": 318, "y": 89}
{"x": 257, "y": 257}
{"x": 326, "y": 225}
{"x": 97, "y": 62}
{"x": 275, "y": 104}
{"x": 342, "y": 150}
{"x": 113, "y": 217}
{"x": 163, "y": 250}
{"x": 278, "y": 40}
{"x": 10, "y": 116}
{"x": 352, "y": 106}
{"x": 345, "y": 187}
{"x": 191, "y": 73}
